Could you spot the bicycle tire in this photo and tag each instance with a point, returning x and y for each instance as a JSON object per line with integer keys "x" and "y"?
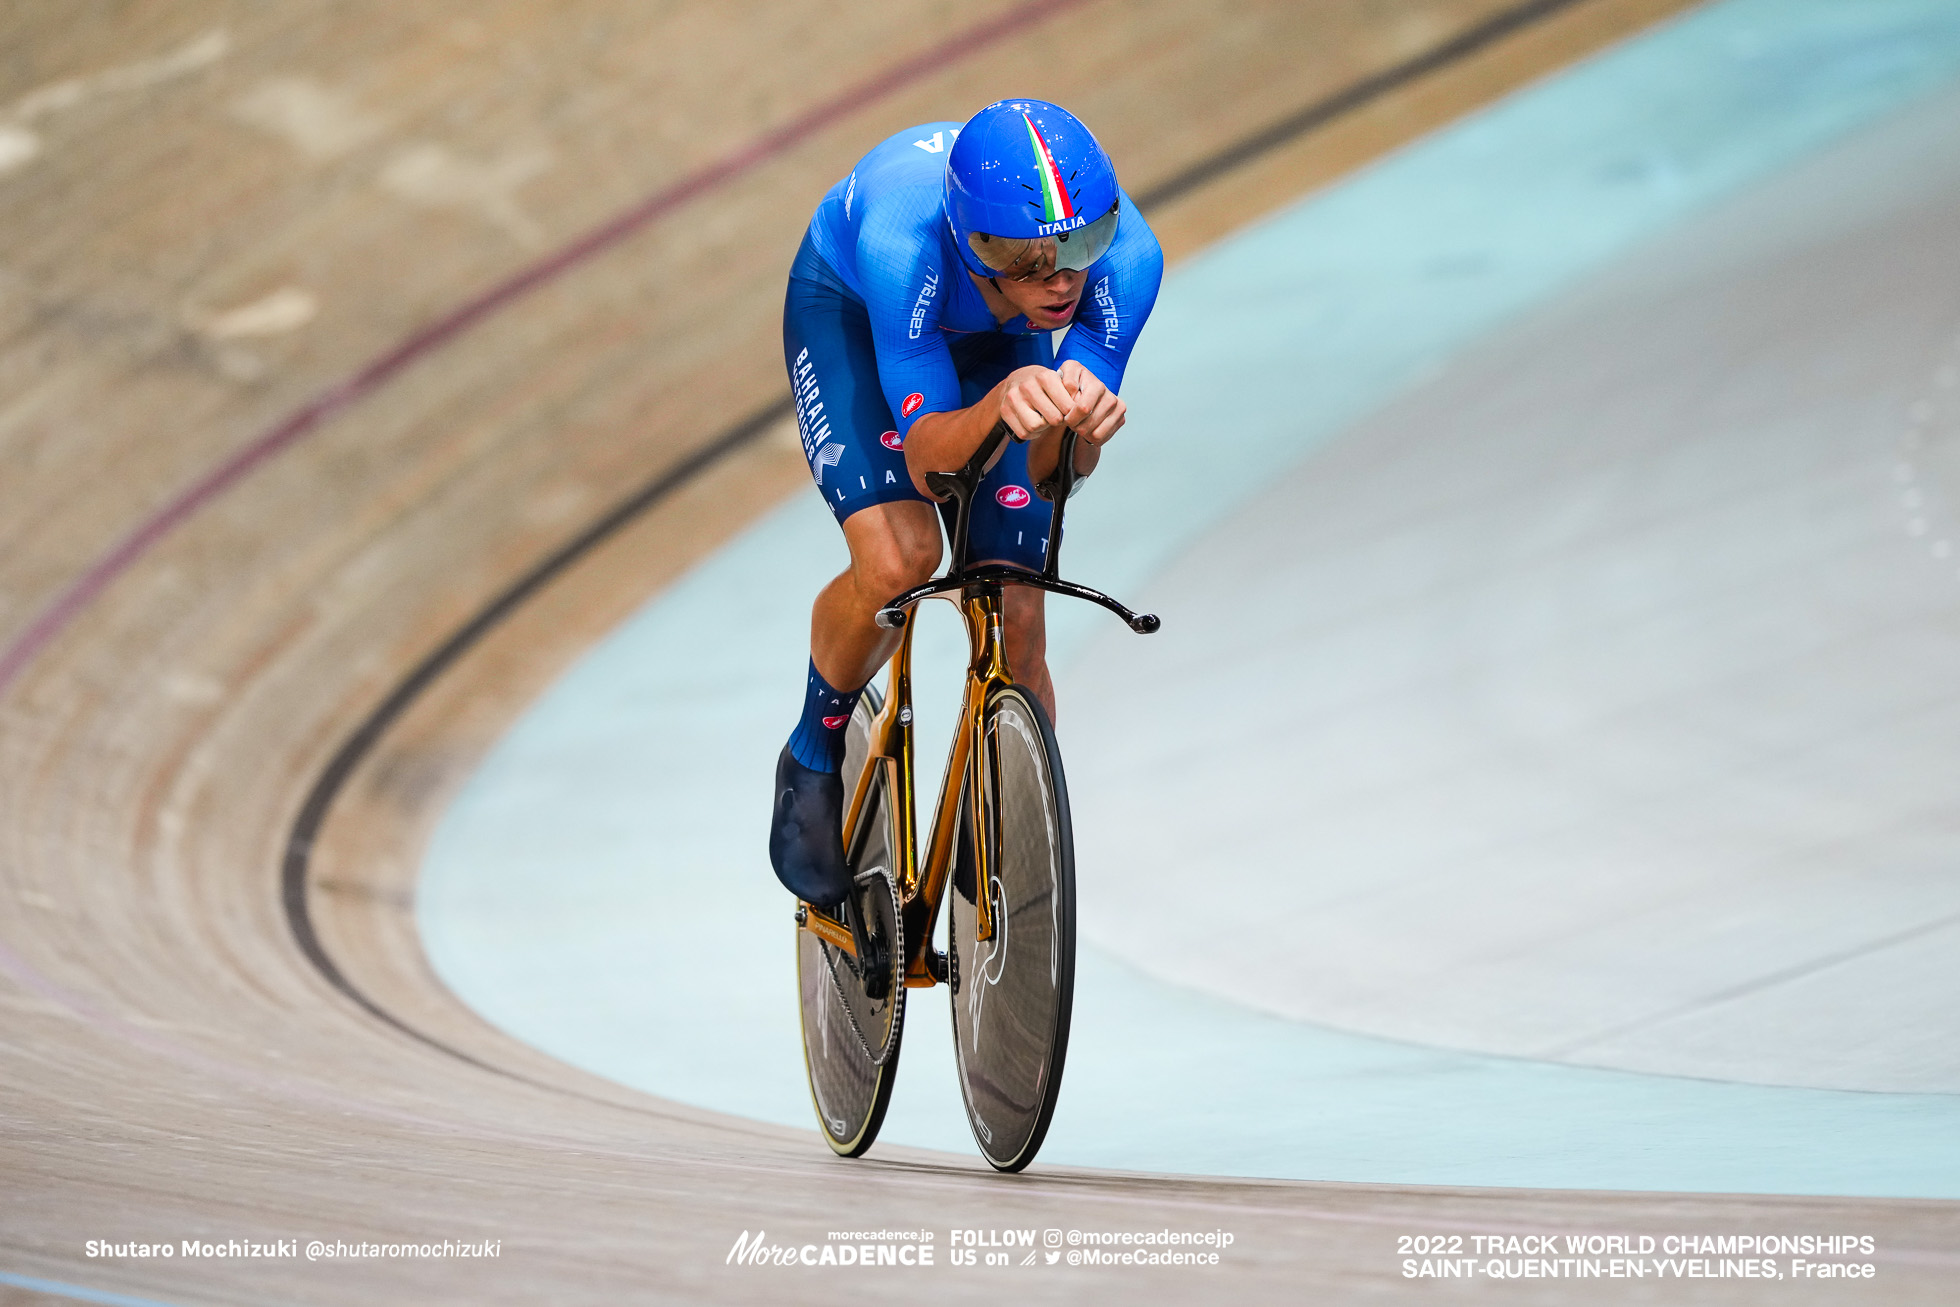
{"x": 850, "y": 1083}
{"x": 1013, "y": 994}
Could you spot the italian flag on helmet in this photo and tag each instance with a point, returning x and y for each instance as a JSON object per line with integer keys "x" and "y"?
{"x": 1054, "y": 195}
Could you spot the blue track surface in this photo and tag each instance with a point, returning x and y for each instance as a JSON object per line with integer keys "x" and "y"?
{"x": 599, "y": 887}
{"x": 57, "y": 1289}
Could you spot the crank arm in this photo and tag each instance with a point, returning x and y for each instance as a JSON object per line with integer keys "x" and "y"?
{"x": 826, "y": 928}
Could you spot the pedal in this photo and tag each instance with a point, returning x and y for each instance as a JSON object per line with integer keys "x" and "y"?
{"x": 937, "y": 965}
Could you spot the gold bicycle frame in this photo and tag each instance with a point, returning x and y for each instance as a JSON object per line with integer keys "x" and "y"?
{"x": 890, "y": 754}
{"x": 920, "y": 888}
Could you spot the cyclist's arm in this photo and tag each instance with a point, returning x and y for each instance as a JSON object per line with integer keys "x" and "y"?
{"x": 1030, "y": 399}
{"x": 1116, "y": 301}
{"x": 903, "y": 291}
{"x": 903, "y": 295}
{"x": 1096, "y": 414}
{"x": 922, "y": 386}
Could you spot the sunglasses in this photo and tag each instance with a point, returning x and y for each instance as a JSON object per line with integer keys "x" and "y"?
{"x": 1037, "y": 258}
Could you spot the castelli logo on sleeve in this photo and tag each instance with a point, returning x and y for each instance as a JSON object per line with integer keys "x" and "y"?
{"x": 1012, "y": 497}
{"x": 834, "y": 722}
{"x": 911, "y": 404}
{"x": 892, "y": 440}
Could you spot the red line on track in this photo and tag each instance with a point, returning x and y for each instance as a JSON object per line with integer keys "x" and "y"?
{"x": 384, "y": 367}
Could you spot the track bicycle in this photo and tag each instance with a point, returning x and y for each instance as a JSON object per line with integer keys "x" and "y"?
{"x": 1000, "y": 836}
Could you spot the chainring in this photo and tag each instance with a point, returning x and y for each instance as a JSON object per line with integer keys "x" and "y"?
{"x": 852, "y": 995}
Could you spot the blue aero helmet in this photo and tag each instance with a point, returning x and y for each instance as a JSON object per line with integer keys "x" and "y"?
{"x": 1029, "y": 192}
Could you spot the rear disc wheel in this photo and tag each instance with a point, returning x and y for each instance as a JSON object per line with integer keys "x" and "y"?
{"x": 1013, "y": 992}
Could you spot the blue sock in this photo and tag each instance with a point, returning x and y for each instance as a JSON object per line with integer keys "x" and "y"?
{"x": 818, "y": 740}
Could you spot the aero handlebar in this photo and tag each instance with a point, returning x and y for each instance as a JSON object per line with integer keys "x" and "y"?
{"x": 961, "y": 486}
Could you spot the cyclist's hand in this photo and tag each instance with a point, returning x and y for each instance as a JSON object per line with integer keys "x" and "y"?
{"x": 1034, "y": 402}
{"x": 1097, "y": 412}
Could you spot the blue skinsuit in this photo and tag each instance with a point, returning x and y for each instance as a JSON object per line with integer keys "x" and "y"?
{"x": 881, "y": 319}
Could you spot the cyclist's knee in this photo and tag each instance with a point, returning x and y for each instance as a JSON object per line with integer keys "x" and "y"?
{"x": 895, "y": 564}
{"x": 893, "y": 547}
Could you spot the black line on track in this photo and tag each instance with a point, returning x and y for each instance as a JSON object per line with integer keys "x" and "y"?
{"x": 356, "y": 747}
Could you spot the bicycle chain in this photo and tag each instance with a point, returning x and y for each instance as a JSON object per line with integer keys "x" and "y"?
{"x": 898, "y": 983}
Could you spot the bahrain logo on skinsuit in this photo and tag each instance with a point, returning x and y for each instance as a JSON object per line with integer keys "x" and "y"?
{"x": 834, "y": 722}
{"x": 1012, "y": 497}
{"x": 829, "y": 456}
{"x": 892, "y": 440}
{"x": 911, "y": 404}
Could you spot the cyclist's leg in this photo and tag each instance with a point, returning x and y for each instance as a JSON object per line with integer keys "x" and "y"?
{"x": 847, "y": 436}
{"x": 1027, "y": 642}
{"x": 849, "y": 440}
{"x": 894, "y": 546}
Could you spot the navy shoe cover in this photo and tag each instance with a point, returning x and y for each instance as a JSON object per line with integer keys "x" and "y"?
{"x": 806, "y": 840}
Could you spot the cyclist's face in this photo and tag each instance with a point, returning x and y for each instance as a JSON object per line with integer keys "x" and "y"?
{"x": 1050, "y": 303}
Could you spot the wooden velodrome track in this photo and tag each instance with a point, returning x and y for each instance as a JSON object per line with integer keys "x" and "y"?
{"x": 364, "y": 362}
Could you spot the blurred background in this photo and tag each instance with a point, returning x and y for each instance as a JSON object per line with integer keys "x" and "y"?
{"x": 1541, "y": 456}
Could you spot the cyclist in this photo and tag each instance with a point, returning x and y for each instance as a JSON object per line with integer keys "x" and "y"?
{"x": 920, "y": 312}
